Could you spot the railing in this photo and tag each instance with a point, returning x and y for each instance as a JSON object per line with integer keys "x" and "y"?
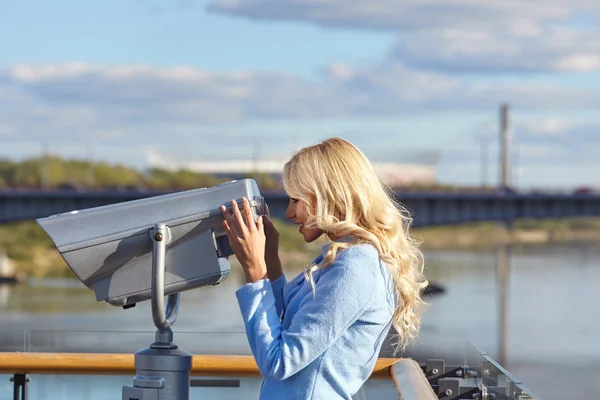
{"x": 22, "y": 365}
{"x": 122, "y": 364}
{"x": 480, "y": 378}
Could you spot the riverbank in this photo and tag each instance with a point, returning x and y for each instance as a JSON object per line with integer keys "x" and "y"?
{"x": 33, "y": 254}
{"x": 490, "y": 234}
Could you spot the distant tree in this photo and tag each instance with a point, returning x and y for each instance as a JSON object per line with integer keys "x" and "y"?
{"x": 186, "y": 179}
{"x": 7, "y": 171}
{"x": 28, "y": 173}
{"x": 54, "y": 172}
{"x": 179, "y": 180}
{"x": 106, "y": 175}
{"x": 266, "y": 182}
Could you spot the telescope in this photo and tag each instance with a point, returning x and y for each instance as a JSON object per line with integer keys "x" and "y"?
{"x": 147, "y": 249}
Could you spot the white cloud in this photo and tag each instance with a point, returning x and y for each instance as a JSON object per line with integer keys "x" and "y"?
{"x": 513, "y": 50}
{"x": 579, "y": 62}
{"x": 338, "y": 71}
{"x": 557, "y": 141}
{"x": 551, "y": 127}
{"x": 457, "y": 35}
{"x": 400, "y": 15}
{"x": 110, "y": 98}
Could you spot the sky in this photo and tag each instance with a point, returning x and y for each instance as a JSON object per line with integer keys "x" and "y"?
{"x": 410, "y": 80}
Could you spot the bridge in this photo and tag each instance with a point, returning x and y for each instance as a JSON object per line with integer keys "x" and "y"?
{"x": 428, "y": 209}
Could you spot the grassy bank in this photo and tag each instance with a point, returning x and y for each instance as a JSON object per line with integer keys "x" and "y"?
{"x": 33, "y": 253}
{"x": 490, "y": 234}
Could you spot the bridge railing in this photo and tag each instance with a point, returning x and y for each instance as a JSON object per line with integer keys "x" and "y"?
{"x": 427, "y": 208}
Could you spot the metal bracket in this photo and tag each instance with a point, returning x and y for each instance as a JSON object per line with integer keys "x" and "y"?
{"x": 148, "y": 382}
{"x": 448, "y": 388}
{"x": 455, "y": 372}
{"x": 20, "y": 386}
{"x": 490, "y": 373}
{"x": 434, "y": 368}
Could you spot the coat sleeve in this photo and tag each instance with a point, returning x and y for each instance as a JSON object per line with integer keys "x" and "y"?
{"x": 342, "y": 293}
{"x": 277, "y": 287}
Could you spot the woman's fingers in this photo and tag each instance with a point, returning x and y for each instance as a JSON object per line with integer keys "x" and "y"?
{"x": 237, "y": 216}
{"x": 268, "y": 224}
{"x": 238, "y": 223}
{"x": 260, "y": 224}
{"x": 248, "y": 215}
{"x": 227, "y": 229}
{"x": 228, "y": 223}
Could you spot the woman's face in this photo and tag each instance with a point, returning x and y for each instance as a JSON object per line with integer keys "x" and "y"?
{"x": 296, "y": 211}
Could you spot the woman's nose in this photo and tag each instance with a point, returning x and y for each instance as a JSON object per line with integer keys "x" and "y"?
{"x": 289, "y": 213}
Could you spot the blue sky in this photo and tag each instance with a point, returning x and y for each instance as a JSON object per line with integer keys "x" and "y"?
{"x": 202, "y": 79}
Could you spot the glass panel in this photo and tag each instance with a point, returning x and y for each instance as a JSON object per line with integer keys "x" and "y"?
{"x": 522, "y": 393}
{"x": 101, "y": 387}
{"x": 13, "y": 340}
{"x": 6, "y": 387}
{"x": 224, "y": 343}
{"x": 474, "y": 363}
{"x": 492, "y": 376}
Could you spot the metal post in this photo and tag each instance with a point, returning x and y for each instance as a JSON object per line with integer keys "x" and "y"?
{"x": 20, "y": 390}
{"x": 162, "y": 370}
{"x": 505, "y": 148}
{"x": 516, "y": 164}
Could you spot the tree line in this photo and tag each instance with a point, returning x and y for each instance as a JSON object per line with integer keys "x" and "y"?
{"x": 52, "y": 172}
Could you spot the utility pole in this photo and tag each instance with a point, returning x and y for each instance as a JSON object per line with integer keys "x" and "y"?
{"x": 516, "y": 165}
{"x": 504, "y": 148}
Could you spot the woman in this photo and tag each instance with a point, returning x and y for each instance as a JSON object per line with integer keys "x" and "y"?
{"x": 319, "y": 335}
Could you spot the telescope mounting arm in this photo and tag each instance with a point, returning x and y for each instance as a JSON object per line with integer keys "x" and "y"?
{"x": 163, "y": 318}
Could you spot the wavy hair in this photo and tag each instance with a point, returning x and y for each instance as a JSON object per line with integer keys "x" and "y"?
{"x": 344, "y": 196}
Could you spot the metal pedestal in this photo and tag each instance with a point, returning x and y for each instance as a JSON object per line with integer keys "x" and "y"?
{"x": 162, "y": 370}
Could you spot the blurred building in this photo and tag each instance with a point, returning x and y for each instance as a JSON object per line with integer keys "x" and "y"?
{"x": 394, "y": 174}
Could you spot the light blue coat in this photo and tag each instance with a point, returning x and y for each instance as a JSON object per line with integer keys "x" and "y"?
{"x": 321, "y": 344}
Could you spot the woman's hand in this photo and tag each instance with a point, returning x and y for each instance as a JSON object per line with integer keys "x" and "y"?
{"x": 247, "y": 240}
{"x": 272, "y": 234}
{"x": 274, "y": 268}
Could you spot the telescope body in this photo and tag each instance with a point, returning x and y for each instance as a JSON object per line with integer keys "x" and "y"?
{"x": 109, "y": 248}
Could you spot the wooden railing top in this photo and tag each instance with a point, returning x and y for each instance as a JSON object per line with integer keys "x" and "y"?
{"x": 123, "y": 364}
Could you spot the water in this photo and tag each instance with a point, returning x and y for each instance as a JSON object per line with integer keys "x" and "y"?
{"x": 549, "y": 339}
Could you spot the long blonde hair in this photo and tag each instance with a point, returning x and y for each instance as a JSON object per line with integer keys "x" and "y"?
{"x": 344, "y": 196}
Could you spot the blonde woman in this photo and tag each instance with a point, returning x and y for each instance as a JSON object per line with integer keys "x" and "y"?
{"x": 319, "y": 335}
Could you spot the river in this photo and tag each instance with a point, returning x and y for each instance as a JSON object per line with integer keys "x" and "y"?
{"x": 549, "y": 338}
